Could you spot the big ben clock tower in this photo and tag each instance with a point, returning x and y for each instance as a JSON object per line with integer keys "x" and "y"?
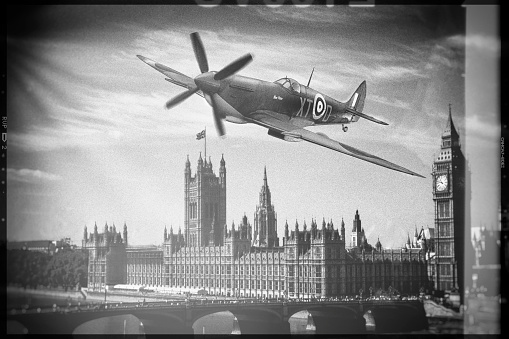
{"x": 449, "y": 173}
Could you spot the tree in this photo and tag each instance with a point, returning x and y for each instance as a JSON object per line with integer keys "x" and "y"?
{"x": 26, "y": 268}
{"x": 68, "y": 268}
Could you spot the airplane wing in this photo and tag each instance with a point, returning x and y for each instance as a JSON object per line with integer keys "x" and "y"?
{"x": 269, "y": 120}
{"x": 172, "y": 75}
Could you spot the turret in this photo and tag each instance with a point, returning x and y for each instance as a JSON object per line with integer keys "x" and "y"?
{"x": 222, "y": 172}
{"x": 342, "y": 229}
{"x": 187, "y": 171}
{"x": 85, "y": 234}
{"x": 165, "y": 234}
{"x": 96, "y": 233}
{"x": 125, "y": 233}
{"x": 200, "y": 164}
{"x": 314, "y": 228}
{"x": 287, "y": 233}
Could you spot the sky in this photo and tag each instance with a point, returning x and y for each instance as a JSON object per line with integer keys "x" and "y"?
{"x": 89, "y": 139}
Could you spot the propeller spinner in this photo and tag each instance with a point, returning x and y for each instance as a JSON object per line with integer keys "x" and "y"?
{"x": 209, "y": 82}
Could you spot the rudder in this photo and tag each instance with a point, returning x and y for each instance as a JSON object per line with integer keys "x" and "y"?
{"x": 356, "y": 102}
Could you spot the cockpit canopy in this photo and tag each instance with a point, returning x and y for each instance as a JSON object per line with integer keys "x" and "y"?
{"x": 290, "y": 84}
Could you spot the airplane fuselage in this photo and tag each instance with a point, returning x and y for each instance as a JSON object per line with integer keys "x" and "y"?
{"x": 301, "y": 105}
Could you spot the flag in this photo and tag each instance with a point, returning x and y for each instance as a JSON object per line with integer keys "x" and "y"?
{"x": 200, "y": 135}
{"x": 420, "y": 234}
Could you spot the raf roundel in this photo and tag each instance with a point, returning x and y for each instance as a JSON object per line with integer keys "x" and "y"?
{"x": 319, "y": 106}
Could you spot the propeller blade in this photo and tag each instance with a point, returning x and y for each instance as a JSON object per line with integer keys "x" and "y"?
{"x": 199, "y": 52}
{"x": 181, "y": 97}
{"x": 234, "y": 67}
{"x": 218, "y": 120}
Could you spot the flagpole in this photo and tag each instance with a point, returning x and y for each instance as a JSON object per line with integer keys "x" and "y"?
{"x": 205, "y": 143}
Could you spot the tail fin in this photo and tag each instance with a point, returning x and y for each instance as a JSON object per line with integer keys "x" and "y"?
{"x": 356, "y": 102}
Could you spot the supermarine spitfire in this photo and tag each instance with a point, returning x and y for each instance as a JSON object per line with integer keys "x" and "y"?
{"x": 284, "y": 107}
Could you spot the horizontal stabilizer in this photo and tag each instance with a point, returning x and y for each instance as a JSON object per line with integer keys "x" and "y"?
{"x": 365, "y": 116}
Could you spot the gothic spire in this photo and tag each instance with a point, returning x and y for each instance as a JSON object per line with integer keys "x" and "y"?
{"x": 450, "y": 130}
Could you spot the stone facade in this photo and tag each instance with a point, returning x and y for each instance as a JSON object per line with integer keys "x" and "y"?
{"x": 107, "y": 260}
{"x": 247, "y": 261}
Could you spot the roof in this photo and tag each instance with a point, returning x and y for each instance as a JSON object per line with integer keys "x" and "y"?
{"x": 11, "y": 245}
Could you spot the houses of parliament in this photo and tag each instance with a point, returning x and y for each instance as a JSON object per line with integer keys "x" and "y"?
{"x": 248, "y": 259}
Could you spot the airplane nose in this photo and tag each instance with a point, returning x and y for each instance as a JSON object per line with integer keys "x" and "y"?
{"x": 206, "y": 82}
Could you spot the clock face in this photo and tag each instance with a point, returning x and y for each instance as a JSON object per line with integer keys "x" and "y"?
{"x": 441, "y": 182}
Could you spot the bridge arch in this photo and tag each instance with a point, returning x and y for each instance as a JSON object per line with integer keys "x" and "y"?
{"x": 216, "y": 322}
{"x": 397, "y": 318}
{"x": 110, "y": 324}
{"x": 334, "y": 319}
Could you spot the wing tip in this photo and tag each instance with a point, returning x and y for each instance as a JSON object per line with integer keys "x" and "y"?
{"x": 415, "y": 174}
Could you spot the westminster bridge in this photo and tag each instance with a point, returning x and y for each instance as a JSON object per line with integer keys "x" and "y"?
{"x": 253, "y": 317}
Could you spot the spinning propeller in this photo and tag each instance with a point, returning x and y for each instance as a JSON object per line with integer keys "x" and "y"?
{"x": 209, "y": 82}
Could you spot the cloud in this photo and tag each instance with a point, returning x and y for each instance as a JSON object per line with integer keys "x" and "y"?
{"x": 486, "y": 43}
{"x": 317, "y": 15}
{"x": 394, "y": 103}
{"x": 30, "y": 176}
{"x": 485, "y": 127}
{"x": 392, "y": 72}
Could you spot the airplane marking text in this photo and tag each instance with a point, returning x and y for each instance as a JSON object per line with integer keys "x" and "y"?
{"x": 303, "y": 101}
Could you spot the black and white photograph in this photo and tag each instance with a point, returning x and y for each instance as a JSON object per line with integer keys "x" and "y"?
{"x": 261, "y": 168}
